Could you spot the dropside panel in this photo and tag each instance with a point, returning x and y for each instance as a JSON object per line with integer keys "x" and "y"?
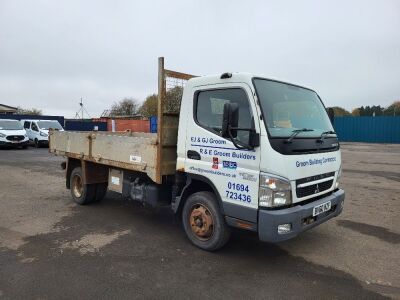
{"x": 132, "y": 151}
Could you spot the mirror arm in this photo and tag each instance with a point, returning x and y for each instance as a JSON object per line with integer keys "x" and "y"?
{"x": 247, "y": 147}
{"x": 235, "y": 144}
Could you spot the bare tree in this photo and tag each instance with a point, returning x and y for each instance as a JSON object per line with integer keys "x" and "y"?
{"x": 149, "y": 106}
{"x": 173, "y": 99}
{"x": 29, "y": 111}
{"x": 172, "y": 102}
{"x": 393, "y": 109}
{"x": 125, "y": 108}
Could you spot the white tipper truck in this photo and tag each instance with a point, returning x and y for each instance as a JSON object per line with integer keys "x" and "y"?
{"x": 231, "y": 150}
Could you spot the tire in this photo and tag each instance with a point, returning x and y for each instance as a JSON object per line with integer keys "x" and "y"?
{"x": 199, "y": 210}
{"x": 37, "y": 145}
{"x": 81, "y": 193}
{"x": 101, "y": 190}
{"x": 25, "y": 147}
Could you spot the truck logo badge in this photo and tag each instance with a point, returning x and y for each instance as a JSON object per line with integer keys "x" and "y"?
{"x": 316, "y": 189}
{"x": 215, "y": 163}
{"x": 229, "y": 164}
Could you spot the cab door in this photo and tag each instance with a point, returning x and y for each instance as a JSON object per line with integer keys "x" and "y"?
{"x": 233, "y": 172}
{"x": 27, "y": 127}
{"x": 34, "y": 130}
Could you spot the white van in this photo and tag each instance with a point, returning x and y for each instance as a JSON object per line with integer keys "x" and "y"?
{"x": 12, "y": 134}
{"x": 38, "y": 130}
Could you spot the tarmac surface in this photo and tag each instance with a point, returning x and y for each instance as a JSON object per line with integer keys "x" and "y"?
{"x": 51, "y": 248}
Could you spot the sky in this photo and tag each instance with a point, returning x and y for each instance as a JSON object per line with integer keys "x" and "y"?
{"x": 52, "y": 53}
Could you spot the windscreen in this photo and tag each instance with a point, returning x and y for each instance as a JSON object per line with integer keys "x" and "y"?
{"x": 287, "y": 108}
{"x": 46, "y": 125}
{"x": 10, "y": 125}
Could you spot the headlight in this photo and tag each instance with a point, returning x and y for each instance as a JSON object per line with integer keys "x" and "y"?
{"x": 274, "y": 191}
{"x": 339, "y": 174}
{"x": 43, "y": 134}
{"x": 2, "y": 135}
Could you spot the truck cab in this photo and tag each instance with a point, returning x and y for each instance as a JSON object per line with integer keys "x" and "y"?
{"x": 276, "y": 170}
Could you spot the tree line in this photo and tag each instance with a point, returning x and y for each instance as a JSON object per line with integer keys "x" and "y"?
{"x": 129, "y": 107}
{"x": 369, "y": 111}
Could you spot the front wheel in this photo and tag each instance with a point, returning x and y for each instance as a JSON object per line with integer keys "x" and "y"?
{"x": 203, "y": 222}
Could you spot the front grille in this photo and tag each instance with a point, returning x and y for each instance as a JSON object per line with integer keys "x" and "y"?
{"x": 314, "y": 178}
{"x": 15, "y": 137}
{"x": 314, "y": 188}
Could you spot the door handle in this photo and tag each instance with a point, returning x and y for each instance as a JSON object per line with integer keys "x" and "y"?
{"x": 193, "y": 155}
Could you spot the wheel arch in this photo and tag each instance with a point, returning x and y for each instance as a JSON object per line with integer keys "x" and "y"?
{"x": 92, "y": 172}
{"x": 72, "y": 163}
{"x": 196, "y": 183}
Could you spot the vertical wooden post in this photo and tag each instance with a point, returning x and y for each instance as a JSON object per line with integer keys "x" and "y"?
{"x": 160, "y": 108}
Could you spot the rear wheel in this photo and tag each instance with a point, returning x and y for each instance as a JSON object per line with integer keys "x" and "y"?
{"x": 81, "y": 193}
{"x": 101, "y": 190}
{"x": 203, "y": 222}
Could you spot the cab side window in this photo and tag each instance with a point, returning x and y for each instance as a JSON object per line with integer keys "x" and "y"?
{"x": 34, "y": 127}
{"x": 27, "y": 125}
{"x": 210, "y": 106}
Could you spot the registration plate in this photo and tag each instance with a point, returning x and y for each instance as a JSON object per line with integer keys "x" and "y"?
{"x": 321, "y": 208}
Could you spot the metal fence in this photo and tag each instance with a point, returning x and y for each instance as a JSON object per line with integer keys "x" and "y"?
{"x": 380, "y": 129}
{"x": 170, "y": 89}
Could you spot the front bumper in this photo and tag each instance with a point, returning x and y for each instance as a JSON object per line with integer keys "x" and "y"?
{"x": 12, "y": 144}
{"x": 43, "y": 142}
{"x": 299, "y": 216}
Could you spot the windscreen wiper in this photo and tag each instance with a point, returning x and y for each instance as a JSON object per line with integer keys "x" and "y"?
{"x": 322, "y": 137}
{"x": 295, "y": 133}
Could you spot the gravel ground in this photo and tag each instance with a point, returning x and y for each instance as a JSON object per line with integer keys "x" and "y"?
{"x": 51, "y": 248}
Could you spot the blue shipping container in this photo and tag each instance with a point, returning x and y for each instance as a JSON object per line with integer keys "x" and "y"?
{"x": 60, "y": 119}
{"x": 153, "y": 124}
{"x": 382, "y": 129}
{"x": 85, "y": 126}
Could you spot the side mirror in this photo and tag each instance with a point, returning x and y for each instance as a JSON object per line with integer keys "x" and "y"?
{"x": 230, "y": 119}
{"x": 331, "y": 114}
{"x": 254, "y": 139}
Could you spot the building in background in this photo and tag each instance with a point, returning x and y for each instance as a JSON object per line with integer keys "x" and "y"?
{"x": 7, "y": 110}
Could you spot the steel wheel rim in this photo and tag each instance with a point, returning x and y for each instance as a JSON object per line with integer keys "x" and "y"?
{"x": 201, "y": 222}
{"x": 77, "y": 186}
